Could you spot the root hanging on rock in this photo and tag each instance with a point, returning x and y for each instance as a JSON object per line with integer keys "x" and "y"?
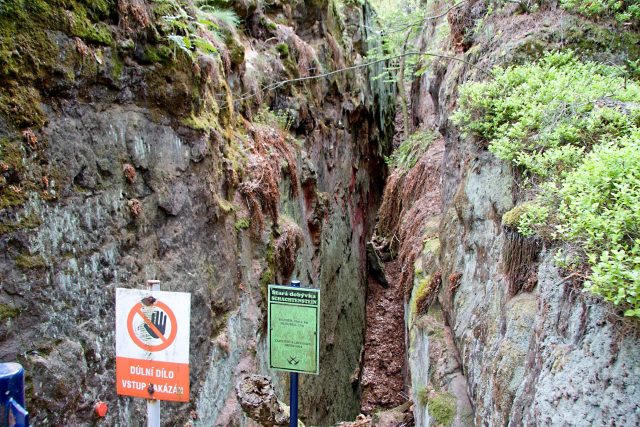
{"x": 520, "y": 261}
{"x": 261, "y": 192}
{"x": 286, "y": 249}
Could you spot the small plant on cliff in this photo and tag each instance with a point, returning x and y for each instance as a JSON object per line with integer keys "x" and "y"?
{"x": 408, "y": 153}
{"x": 573, "y": 129}
{"x": 442, "y": 407}
{"x": 193, "y": 33}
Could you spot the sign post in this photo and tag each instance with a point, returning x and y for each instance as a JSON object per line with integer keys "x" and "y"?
{"x": 153, "y": 405}
{"x": 152, "y": 346}
{"x": 294, "y": 335}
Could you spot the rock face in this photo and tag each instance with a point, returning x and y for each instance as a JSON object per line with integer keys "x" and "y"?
{"x": 480, "y": 352}
{"x": 139, "y": 166}
{"x": 259, "y": 401}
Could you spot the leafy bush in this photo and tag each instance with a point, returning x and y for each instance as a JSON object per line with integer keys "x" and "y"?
{"x": 573, "y": 129}
{"x": 543, "y": 117}
{"x": 600, "y": 209}
{"x": 621, "y": 10}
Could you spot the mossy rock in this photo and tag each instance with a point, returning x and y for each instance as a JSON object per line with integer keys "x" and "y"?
{"x": 8, "y": 312}
{"x": 29, "y": 55}
{"x": 236, "y": 50}
{"x": 442, "y": 408}
{"x": 27, "y": 223}
{"x": 155, "y": 54}
{"x": 30, "y": 262}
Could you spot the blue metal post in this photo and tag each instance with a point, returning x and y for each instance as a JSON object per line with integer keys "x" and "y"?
{"x": 293, "y": 386}
{"x": 12, "y": 407}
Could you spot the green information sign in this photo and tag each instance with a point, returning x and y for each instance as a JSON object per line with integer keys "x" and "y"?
{"x": 294, "y": 329}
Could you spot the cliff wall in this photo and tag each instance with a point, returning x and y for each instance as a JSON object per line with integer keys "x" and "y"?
{"x": 481, "y": 352}
{"x": 134, "y": 148}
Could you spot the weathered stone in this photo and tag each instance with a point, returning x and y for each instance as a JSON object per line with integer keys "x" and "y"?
{"x": 258, "y": 400}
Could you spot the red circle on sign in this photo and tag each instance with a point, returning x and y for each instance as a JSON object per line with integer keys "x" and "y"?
{"x": 166, "y": 341}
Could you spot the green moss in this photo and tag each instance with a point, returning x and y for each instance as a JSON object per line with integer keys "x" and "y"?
{"x": 97, "y": 33}
{"x": 236, "y": 50}
{"x": 226, "y": 206}
{"x": 11, "y": 197}
{"x": 29, "y": 55}
{"x": 442, "y": 408}
{"x": 8, "y": 312}
{"x": 154, "y": 54}
{"x": 422, "y": 293}
{"x": 423, "y": 396}
{"x": 282, "y": 49}
{"x": 266, "y": 278}
{"x": 511, "y": 218}
{"x": 30, "y": 262}
{"x": 28, "y": 222}
{"x": 242, "y": 224}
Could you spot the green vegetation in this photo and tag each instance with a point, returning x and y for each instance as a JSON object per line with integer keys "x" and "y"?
{"x": 29, "y": 262}
{"x": 573, "y": 129}
{"x": 543, "y": 117}
{"x": 8, "y": 312}
{"x": 281, "y": 119}
{"x": 400, "y": 28}
{"x": 28, "y": 222}
{"x": 423, "y": 396}
{"x": 599, "y": 209}
{"x": 283, "y": 49}
{"x": 242, "y": 224}
{"x": 408, "y": 153}
{"x": 442, "y": 407}
{"x": 526, "y": 218}
{"x": 194, "y": 34}
{"x": 623, "y": 11}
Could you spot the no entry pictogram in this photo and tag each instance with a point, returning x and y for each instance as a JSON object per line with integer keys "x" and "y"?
{"x": 159, "y": 324}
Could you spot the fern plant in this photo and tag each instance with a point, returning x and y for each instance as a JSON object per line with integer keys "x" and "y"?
{"x": 193, "y": 35}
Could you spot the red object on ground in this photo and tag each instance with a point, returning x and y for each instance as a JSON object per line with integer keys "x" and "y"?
{"x": 101, "y": 409}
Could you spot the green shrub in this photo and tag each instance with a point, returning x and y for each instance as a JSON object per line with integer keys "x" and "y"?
{"x": 526, "y": 218}
{"x": 624, "y": 11}
{"x": 573, "y": 129}
{"x": 600, "y": 210}
{"x": 543, "y": 117}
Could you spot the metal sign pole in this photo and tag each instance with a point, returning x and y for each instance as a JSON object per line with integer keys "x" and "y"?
{"x": 153, "y": 405}
{"x": 293, "y": 386}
